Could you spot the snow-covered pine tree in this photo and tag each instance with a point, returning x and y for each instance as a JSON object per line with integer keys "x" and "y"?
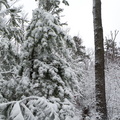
{"x": 46, "y": 71}
{"x": 46, "y": 58}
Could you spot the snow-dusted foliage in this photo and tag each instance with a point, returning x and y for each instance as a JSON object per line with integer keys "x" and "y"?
{"x": 37, "y": 108}
{"x": 11, "y": 22}
{"x": 113, "y": 90}
{"x": 7, "y": 58}
{"x": 30, "y": 108}
{"x": 51, "y": 5}
{"x": 11, "y": 37}
{"x": 45, "y": 71}
{"x": 46, "y": 54}
{"x": 46, "y": 61}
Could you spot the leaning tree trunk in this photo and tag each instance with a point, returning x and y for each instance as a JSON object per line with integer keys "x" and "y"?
{"x": 99, "y": 61}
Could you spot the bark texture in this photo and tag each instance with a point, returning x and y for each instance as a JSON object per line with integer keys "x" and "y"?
{"x": 99, "y": 61}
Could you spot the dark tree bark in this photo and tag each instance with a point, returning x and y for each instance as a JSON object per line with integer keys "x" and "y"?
{"x": 99, "y": 61}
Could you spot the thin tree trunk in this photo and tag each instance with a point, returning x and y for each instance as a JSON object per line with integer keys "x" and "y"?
{"x": 99, "y": 61}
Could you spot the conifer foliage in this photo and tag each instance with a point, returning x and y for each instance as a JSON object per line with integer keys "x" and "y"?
{"x": 44, "y": 72}
{"x": 11, "y": 36}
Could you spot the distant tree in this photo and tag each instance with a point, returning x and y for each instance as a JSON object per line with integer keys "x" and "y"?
{"x": 80, "y": 54}
{"x": 80, "y": 49}
{"x": 99, "y": 61}
{"x": 111, "y": 48}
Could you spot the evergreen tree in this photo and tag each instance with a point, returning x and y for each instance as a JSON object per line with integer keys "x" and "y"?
{"x": 79, "y": 55}
{"x": 80, "y": 52}
{"x": 46, "y": 56}
{"x": 46, "y": 69}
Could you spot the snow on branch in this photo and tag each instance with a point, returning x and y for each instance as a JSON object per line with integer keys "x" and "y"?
{"x": 25, "y": 109}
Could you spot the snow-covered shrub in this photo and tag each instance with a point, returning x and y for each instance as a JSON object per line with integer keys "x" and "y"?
{"x": 113, "y": 89}
{"x": 36, "y": 108}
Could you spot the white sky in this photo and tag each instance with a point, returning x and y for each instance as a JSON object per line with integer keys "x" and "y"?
{"x": 80, "y": 20}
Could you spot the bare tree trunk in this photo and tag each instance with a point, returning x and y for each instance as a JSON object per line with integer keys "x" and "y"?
{"x": 99, "y": 61}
